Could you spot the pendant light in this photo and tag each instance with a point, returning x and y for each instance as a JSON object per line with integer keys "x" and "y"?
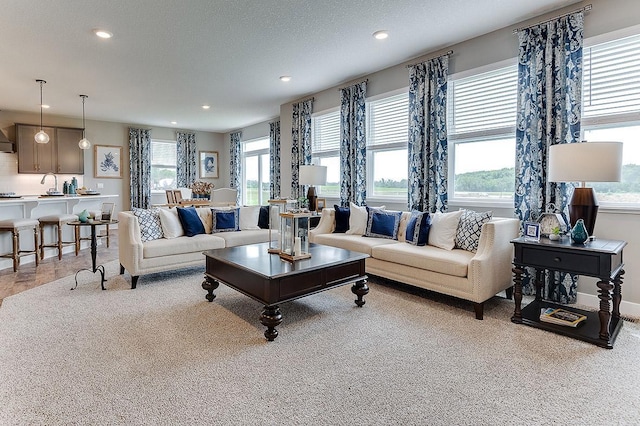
{"x": 84, "y": 142}
{"x": 41, "y": 136}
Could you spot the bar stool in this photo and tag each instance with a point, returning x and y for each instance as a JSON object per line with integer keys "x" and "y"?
{"x": 15, "y": 226}
{"x": 55, "y": 220}
{"x": 79, "y": 238}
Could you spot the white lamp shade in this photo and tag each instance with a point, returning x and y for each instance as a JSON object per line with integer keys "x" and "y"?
{"x": 313, "y": 175}
{"x": 586, "y": 162}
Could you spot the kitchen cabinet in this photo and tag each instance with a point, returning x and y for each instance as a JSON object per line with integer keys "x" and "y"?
{"x": 60, "y": 155}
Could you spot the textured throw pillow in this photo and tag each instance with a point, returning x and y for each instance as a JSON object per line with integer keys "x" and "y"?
{"x": 342, "y": 219}
{"x": 469, "y": 227}
{"x": 249, "y": 217}
{"x": 358, "y": 219}
{"x": 443, "y": 229}
{"x": 225, "y": 220}
{"x": 190, "y": 221}
{"x": 171, "y": 226}
{"x": 150, "y": 226}
{"x": 418, "y": 227}
{"x": 382, "y": 223}
{"x": 263, "y": 217}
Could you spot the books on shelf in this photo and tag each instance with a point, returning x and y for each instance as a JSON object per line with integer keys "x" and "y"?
{"x": 561, "y": 317}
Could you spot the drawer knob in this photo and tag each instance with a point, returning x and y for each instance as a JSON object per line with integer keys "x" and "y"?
{"x": 557, "y": 259}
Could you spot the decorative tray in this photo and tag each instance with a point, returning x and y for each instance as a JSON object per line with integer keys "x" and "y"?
{"x": 10, "y": 196}
{"x": 89, "y": 193}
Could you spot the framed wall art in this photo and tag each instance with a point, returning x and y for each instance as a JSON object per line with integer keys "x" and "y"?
{"x": 320, "y": 204}
{"x": 208, "y": 164}
{"x": 107, "y": 161}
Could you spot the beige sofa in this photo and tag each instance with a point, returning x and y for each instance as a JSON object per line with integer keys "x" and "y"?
{"x": 141, "y": 258}
{"x": 475, "y": 277}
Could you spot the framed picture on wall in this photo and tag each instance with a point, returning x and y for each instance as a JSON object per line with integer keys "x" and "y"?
{"x": 208, "y": 164}
{"x": 320, "y": 204}
{"x": 107, "y": 161}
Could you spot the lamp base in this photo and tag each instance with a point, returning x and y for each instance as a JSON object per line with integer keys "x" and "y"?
{"x": 312, "y": 197}
{"x": 584, "y": 205}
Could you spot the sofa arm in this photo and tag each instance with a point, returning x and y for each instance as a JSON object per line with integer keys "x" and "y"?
{"x": 326, "y": 224}
{"x": 129, "y": 242}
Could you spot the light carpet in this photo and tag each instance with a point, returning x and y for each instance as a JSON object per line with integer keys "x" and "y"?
{"x": 163, "y": 355}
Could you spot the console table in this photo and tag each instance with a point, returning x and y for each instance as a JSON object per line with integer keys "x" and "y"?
{"x": 601, "y": 259}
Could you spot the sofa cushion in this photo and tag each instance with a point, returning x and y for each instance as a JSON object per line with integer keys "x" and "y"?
{"x": 249, "y": 217}
{"x": 443, "y": 229}
{"x": 225, "y": 220}
{"x": 418, "y": 226}
{"x": 181, "y": 245}
{"x": 171, "y": 226}
{"x": 382, "y": 223}
{"x": 253, "y": 236}
{"x": 352, "y": 242}
{"x": 449, "y": 262}
{"x": 150, "y": 226}
{"x": 358, "y": 219}
{"x": 342, "y": 215}
{"x": 469, "y": 227}
{"x": 263, "y": 217}
{"x": 190, "y": 221}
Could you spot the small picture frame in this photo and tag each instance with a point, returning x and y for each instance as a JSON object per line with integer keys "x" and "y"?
{"x": 107, "y": 211}
{"x": 208, "y": 164}
{"x": 107, "y": 161}
{"x": 320, "y": 203}
{"x": 532, "y": 231}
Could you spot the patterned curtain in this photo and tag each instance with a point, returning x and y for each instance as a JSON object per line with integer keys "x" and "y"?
{"x": 187, "y": 163}
{"x": 427, "y": 148}
{"x": 274, "y": 159}
{"x": 549, "y": 111}
{"x": 140, "y": 167}
{"x": 353, "y": 145}
{"x": 236, "y": 164}
{"x": 301, "y": 143}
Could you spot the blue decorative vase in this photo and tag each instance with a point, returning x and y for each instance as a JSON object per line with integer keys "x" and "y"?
{"x": 579, "y": 232}
{"x": 83, "y": 216}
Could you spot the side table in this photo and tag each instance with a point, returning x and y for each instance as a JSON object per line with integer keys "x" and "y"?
{"x": 601, "y": 259}
{"x": 94, "y": 247}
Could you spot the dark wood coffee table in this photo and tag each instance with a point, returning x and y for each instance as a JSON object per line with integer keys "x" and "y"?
{"x": 266, "y": 278}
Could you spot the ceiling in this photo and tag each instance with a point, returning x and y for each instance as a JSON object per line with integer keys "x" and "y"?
{"x": 168, "y": 58}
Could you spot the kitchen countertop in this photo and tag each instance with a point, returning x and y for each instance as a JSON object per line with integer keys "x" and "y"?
{"x": 37, "y": 205}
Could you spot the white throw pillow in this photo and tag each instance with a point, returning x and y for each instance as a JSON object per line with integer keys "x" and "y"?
{"x": 204, "y": 213}
{"x": 249, "y": 217}
{"x": 358, "y": 219}
{"x": 171, "y": 226}
{"x": 443, "y": 229}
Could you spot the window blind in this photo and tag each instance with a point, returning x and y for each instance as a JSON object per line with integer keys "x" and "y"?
{"x": 611, "y": 78}
{"x": 388, "y": 120}
{"x": 326, "y": 133}
{"x": 163, "y": 153}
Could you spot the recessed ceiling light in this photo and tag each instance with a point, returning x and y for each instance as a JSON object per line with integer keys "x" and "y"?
{"x": 381, "y": 35}
{"x": 103, "y": 33}
{"x": 45, "y": 106}
{"x": 174, "y": 122}
{"x": 285, "y": 78}
{"x": 206, "y": 106}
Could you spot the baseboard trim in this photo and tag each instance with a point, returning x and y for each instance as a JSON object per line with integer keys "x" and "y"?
{"x": 627, "y": 309}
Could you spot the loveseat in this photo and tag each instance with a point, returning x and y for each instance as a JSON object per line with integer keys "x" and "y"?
{"x": 155, "y": 240}
{"x": 475, "y": 276}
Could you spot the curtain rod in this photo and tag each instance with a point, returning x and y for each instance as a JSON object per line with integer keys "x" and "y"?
{"x": 448, "y": 53}
{"x": 366, "y": 80}
{"x": 583, "y": 9}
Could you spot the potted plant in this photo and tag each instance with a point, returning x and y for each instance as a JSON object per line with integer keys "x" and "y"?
{"x": 555, "y": 234}
{"x": 201, "y": 189}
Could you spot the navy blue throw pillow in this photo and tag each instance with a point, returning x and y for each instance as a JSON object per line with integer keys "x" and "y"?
{"x": 190, "y": 221}
{"x": 225, "y": 220}
{"x": 382, "y": 223}
{"x": 418, "y": 227}
{"x": 263, "y": 217}
{"x": 342, "y": 219}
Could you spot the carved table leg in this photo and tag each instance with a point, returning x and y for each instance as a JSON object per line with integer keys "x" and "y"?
{"x": 360, "y": 289}
{"x": 209, "y": 284}
{"x": 517, "y": 294}
{"x": 617, "y": 294}
{"x": 271, "y": 317}
{"x": 605, "y": 308}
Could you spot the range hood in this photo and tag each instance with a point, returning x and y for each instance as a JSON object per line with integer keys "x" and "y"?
{"x": 5, "y": 144}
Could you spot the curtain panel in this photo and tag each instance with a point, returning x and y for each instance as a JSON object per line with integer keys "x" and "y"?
{"x": 236, "y": 164}
{"x": 140, "y": 167}
{"x": 549, "y": 112}
{"x": 186, "y": 160}
{"x": 353, "y": 145}
{"x": 427, "y": 147}
{"x": 274, "y": 159}
{"x": 300, "y": 144}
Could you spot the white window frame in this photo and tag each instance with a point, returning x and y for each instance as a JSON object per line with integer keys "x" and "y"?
{"x": 317, "y": 156}
{"x": 244, "y": 155}
{"x": 175, "y": 166}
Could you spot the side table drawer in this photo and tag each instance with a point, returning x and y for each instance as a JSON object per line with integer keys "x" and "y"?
{"x": 583, "y": 263}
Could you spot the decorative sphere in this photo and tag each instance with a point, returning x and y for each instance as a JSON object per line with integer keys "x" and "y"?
{"x": 84, "y": 143}
{"x": 42, "y": 137}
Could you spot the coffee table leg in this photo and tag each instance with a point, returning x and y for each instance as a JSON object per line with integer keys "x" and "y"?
{"x": 270, "y": 318}
{"x": 209, "y": 284}
{"x": 360, "y": 288}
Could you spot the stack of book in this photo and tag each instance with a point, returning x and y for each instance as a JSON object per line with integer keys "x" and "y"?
{"x": 561, "y": 317}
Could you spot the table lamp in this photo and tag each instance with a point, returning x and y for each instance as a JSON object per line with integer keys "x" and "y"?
{"x": 585, "y": 162}
{"x": 313, "y": 175}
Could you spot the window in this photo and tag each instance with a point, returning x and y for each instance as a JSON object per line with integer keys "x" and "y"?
{"x": 387, "y": 138}
{"x": 611, "y": 111}
{"x": 325, "y": 150}
{"x": 163, "y": 164}
{"x": 481, "y": 111}
{"x": 255, "y": 171}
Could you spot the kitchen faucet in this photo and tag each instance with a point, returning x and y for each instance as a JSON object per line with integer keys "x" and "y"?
{"x": 54, "y": 177}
